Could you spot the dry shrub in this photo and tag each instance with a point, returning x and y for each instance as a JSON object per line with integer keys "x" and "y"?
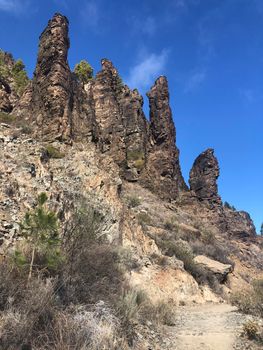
{"x": 213, "y": 251}
{"x": 161, "y": 313}
{"x": 250, "y": 302}
{"x": 94, "y": 328}
{"x": 27, "y": 313}
{"x": 250, "y": 329}
{"x": 135, "y": 305}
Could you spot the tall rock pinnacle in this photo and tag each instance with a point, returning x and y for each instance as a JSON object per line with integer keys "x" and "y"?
{"x": 204, "y": 175}
{"x": 51, "y": 86}
{"x": 163, "y": 168}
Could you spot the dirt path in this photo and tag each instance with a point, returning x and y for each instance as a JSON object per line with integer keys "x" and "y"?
{"x": 207, "y": 327}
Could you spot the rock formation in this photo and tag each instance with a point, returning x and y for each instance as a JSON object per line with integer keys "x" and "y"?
{"x": 9, "y": 92}
{"x": 203, "y": 177}
{"x": 52, "y": 98}
{"x": 108, "y": 113}
{"x": 136, "y": 133}
{"x": 162, "y": 171}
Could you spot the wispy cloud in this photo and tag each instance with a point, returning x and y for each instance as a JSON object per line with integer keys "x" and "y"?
{"x": 250, "y": 95}
{"x": 146, "y": 25}
{"x": 14, "y": 6}
{"x": 195, "y": 79}
{"x": 148, "y": 69}
{"x": 91, "y": 15}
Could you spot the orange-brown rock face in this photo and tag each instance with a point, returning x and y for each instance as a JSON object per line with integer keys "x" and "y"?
{"x": 108, "y": 116}
{"x": 203, "y": 177}
{"x": 51, "y": 87}
{"x": 203, "y": 183}
{"x": 8, "y": 93}
{"x": 162, "y": 171}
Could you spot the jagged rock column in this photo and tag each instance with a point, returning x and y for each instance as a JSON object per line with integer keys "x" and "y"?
{"x": 51, "y": 87}
{"x": 162, "y": 173}
{"x": 203, "y": 177}
{"x": 136, "y": 132}
{"x": 110, "y": 130}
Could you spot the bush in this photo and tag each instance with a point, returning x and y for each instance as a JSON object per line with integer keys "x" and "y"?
{"x": 171, "y": 225}
{"x": 250, "y": 302}
{"x": 133, "y": 201}
{"x": 214, "y": 251}
{"x": 83, "y": 71}
{"x": 207, "y": 237}
{"x": 182, "y": 251}
{"x": 47, "y": 310}
{"x": 54, "y": 152}
{"x": 7, "y": 118}
{"x": 26, "y": 129}
{"x": 162, "y": 313}
{"x": 144, "y": 218}
{"x": 251, "y": 329}
{"x": 137, "y": 157}
{"x": 40, "y": 229}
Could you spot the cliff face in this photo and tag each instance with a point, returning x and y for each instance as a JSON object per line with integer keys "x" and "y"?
{"x": 109, "y": 114}
{"x": 13, "y": 80}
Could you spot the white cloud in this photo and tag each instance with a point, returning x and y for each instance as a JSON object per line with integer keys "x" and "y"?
{"x": 250, "y": 95}
{"x": 147, "y": 70}
{"x": 91, "y": 14}
{"x": 195, "y": 80}
{"x": 13, "y": 6}
{"x": 146, "y": 25}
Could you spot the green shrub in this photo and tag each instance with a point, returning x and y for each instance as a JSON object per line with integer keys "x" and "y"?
{"x": 40, "y": 231}
{"x": 133, "y": 201}
{"x": 135, "y": 155}
{"x": 207, "y": 237}
{"x": 83, "y": 71}
{"x": 144, "y": 218}
{"x": 26, "y": 129}
{"x": 171, "y": 225}
{"x": 54, "y": 152}
{"x": 7, "y": 118}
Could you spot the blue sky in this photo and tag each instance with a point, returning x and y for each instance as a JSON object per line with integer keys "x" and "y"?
{"x": 210, "y": 50}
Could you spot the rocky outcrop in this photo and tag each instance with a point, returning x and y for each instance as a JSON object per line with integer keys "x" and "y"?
{"x": 9, "y": 94}
{"x": 106, "y": 91}
{"x": 108, "y": 113}
{"x": 203, "y": 177}
{"x": 162, "y": 171}
{"x": 219, "y": 270}
{"x": 52, "y": 99}
{"x": 239, "y": 224}
{"x": 136, "y": 132}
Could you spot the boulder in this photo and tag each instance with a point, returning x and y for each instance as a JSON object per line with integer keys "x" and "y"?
{"x": 217, "y": 268}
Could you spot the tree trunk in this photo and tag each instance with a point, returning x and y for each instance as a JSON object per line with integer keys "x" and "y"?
{"x": 31, "y": 265}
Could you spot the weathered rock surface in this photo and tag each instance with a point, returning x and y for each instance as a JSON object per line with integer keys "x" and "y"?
{"x": 51, "y": 103}
{"x": 162, "y": 170}
{"x": 239, "y": 223}
{"x": 217, "y": 268}
{"x": 8, "y": 93}
{"x": 108, "y": 113}
{"x": 203, "y": 177}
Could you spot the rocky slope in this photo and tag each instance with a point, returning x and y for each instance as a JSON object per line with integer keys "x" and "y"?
{"x": 124, "y": 165}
